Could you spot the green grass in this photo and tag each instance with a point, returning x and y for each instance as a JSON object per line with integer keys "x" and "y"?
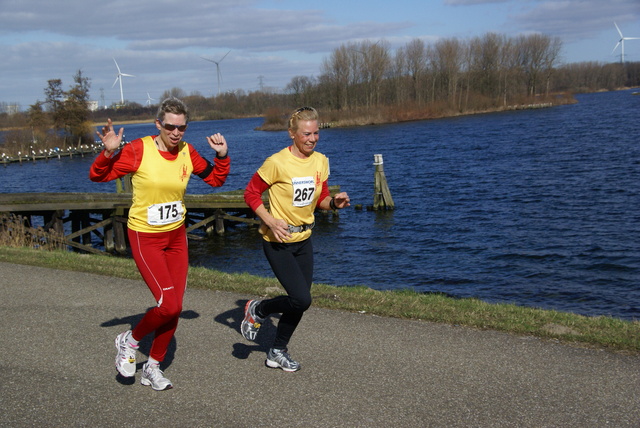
{"x": 601, "y": 332}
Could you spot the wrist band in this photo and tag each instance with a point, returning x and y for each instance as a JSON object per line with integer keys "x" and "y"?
{"x": 332, "y": 204}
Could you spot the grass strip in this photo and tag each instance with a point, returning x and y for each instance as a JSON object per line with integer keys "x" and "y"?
{"x": 601, "y": 332}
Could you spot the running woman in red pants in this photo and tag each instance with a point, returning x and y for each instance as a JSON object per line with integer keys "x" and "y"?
{"x": 160, "y": 167}
{"x": 296, "y": 178}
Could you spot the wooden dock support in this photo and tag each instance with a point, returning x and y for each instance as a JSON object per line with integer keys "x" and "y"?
{"x": 119, "y": 234}
{"x": 219, "y": 222}
{"x": 381, "y": 195}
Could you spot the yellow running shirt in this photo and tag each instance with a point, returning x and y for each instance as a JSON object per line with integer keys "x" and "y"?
{"x": 294, "y": 188}
{"x": 159, "y": 186}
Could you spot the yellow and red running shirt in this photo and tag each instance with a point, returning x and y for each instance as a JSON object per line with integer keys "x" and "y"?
{"x": 159, "y": 180}
{"x": 295, "y": 187}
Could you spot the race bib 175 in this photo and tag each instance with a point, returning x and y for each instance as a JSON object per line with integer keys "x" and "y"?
{"x": 166, "y": 213}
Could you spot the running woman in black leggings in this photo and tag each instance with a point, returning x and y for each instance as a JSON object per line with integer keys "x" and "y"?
{"x": 296, "y": 178}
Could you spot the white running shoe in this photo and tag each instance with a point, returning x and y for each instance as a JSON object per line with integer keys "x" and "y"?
{"x": 126, "y": 357}
{"x": 152, "y": 375}
{"x": 251, "y": 322}
{"x": 280, "y": 359}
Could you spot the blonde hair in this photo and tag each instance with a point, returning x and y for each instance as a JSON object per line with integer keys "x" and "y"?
{"x": 303, "y": 113}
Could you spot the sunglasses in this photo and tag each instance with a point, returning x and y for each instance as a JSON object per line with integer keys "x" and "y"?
{"x": 169, "y": 127}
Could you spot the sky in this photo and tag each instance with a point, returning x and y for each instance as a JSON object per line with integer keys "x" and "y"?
{"x": 263, "y": 44}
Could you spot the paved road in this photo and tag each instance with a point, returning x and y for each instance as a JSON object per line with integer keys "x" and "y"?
{"x": 56, "y": 367}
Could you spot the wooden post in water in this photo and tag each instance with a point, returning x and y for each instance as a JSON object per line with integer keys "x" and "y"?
{"x": 381, "y": 195}
{"x": 108, "y": 238}
{"x": 119, "y": 234}
{"x": 219, "y": 222}
{"x": 123, "y": 185}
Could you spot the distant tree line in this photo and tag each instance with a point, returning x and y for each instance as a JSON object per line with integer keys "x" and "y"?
{"x": 452, "y": 76}
{"x": 449, "y": 75}
{"x": 360, "y": 83}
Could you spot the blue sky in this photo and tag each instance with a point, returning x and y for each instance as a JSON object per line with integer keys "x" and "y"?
{"x": 162, "y": 42}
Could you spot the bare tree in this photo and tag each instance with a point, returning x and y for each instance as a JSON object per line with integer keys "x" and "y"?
{"x": 375, "y": 66}
{"x": 54, "y": 96}
{"x": 416, "y": 61}
{"x": 38, "y": 122}
{"x": 509, "y": 65}
{"x": 173, "y": 92}
{"x": 298, "y": 86}
{"x": 485, "y": 64}
{"x": 549, "y": 63}
{"x": 336, "y": 71}
{"x": 533, "y": 59}
{"x": 76, "y": 109}
{"x": 447, "y": 57}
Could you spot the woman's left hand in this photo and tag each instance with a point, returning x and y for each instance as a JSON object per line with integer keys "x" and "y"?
{"x": 341, "y": 200}
{"x": 219, "y": 144}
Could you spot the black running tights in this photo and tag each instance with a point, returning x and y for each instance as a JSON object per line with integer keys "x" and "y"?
{"x": 293, "y": 266}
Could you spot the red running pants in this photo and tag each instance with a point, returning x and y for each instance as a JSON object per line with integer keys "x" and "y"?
{"x": 163, "y": 261}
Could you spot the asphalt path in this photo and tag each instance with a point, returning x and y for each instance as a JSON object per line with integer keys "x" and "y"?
{"x": 57, "y": 367}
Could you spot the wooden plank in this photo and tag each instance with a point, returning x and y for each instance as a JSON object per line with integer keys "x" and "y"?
{"x": 11, "y": 202}
{"x": 240, "y": 219}
{"x": 82, "y": 247}
{"x": 201, "y": 223}
{"x": 89, "y": 229}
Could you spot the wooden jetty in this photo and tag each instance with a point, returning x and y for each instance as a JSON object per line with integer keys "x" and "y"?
{"x": 40, "y": 155}
{"x": 81, "y": 217}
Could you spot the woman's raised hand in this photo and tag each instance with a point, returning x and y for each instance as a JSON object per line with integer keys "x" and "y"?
{"x": 109, "y": 138}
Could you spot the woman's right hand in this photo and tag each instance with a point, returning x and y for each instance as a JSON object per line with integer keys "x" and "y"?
{"x": 109, "y": 138}
{"x": 279, "y": 229}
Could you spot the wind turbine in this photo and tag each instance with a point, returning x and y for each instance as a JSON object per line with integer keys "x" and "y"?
{"x": 217, "y": 63}
{"x": 149, "y": 99}
{"x": 119, "y": 78}
{"x": 621, "y": 43}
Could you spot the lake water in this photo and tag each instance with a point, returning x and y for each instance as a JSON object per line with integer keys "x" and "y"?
{"x": 537, "y": 208}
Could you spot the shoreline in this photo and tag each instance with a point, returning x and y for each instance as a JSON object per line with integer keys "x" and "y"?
{"x": 357, "y": 120}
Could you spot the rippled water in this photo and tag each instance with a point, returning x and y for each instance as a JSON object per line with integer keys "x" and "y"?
{"x": 537, "y": 208}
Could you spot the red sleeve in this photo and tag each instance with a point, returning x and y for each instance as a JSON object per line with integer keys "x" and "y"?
{"x": 213, "y": 174}
{"x": 253, "y": 193}
{"x": 325, "y": 191}
{"x": 120, "y": 164}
